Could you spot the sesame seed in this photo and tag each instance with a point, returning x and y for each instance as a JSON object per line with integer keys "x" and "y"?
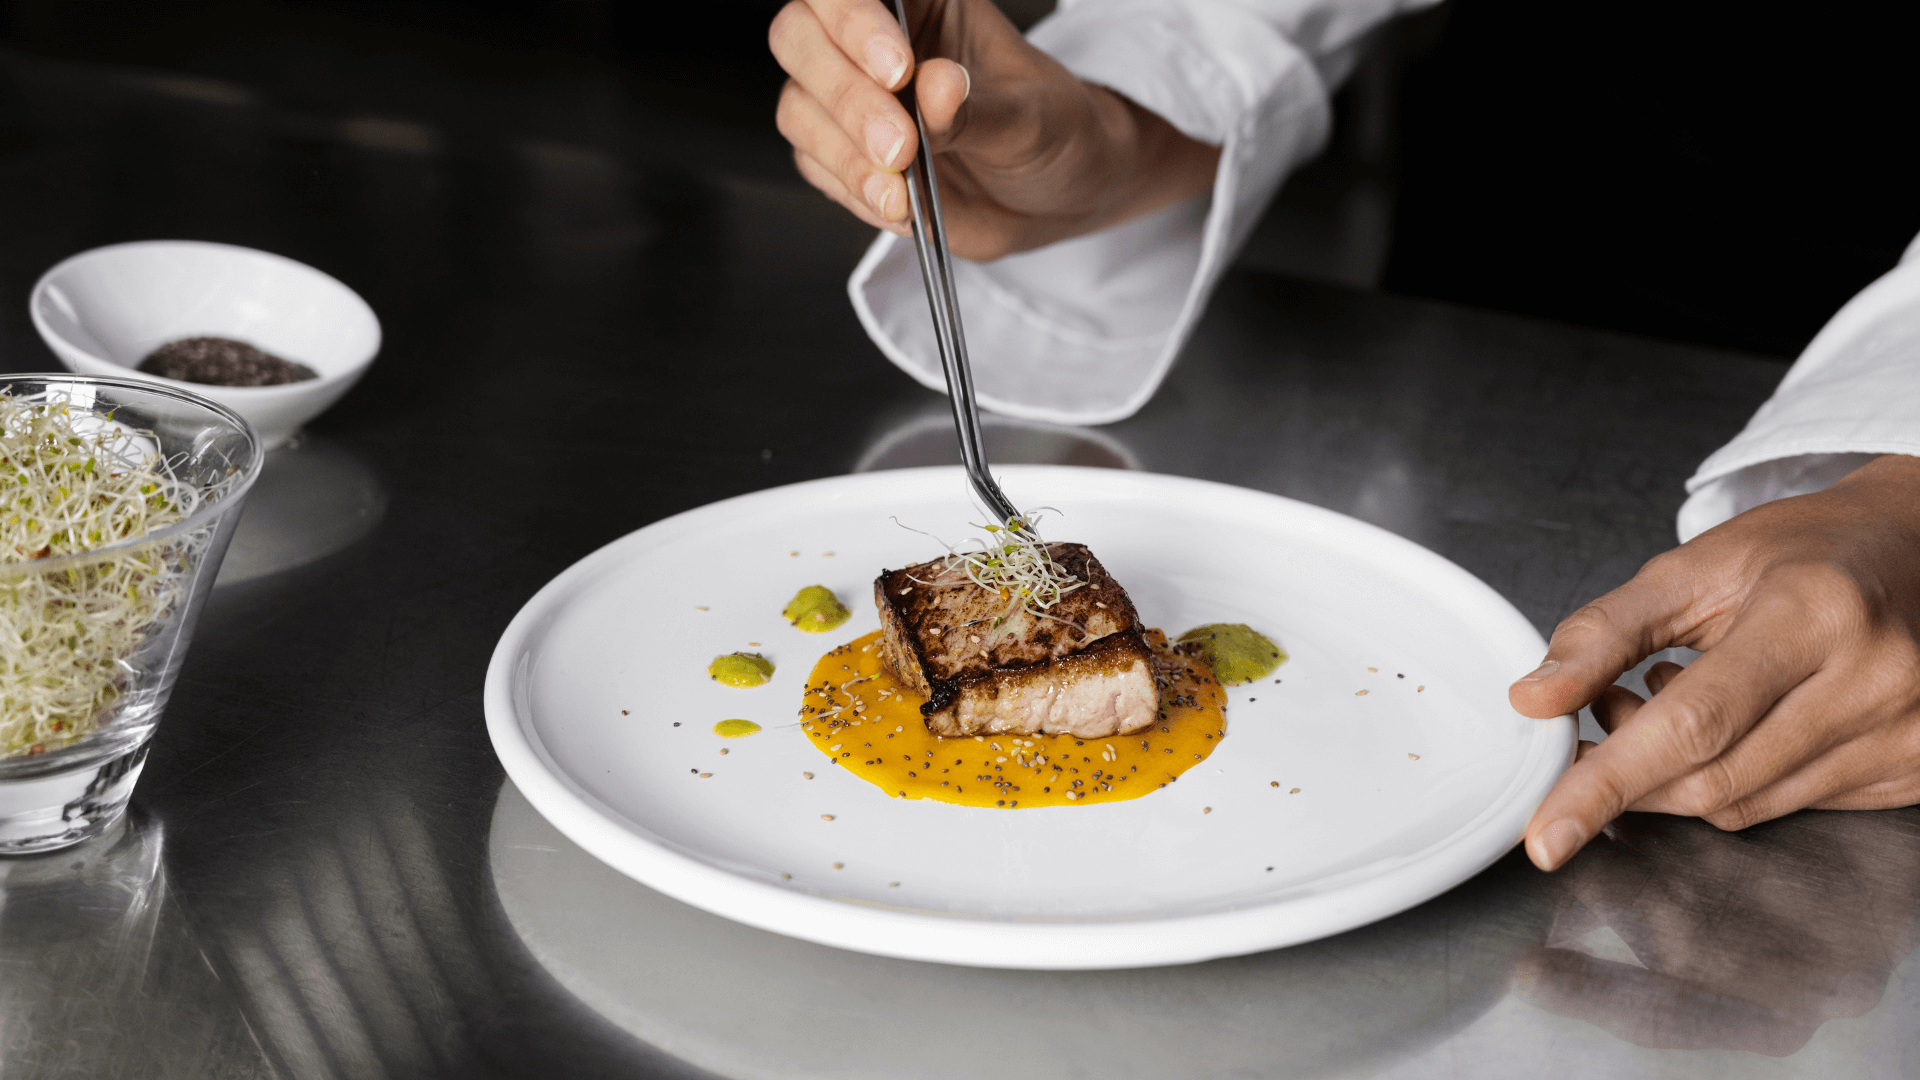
{"x": 837, "y": 866}
{"x": 893, "y": 884}
{"x": 704, "y": 775}
{"x": 698, "y": 607}
{"x": 1295, "y": 791}
{"x": 808, "y": 775}
{"x": 786, "y": 877}
{"x": 1413, "y": 757}
{"x": 1274, "y": 783}
{"x": 826, "y": 817}
{"x": 1375, "y": 670}
{"x": 1359, "y": 693}
{"x": 1419, "y": 689}
{"x": 723, "y": 750}
{"x": 1206, "y": 809}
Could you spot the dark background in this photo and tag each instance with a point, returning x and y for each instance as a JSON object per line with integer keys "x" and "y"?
{"x": 1723, "y": 174}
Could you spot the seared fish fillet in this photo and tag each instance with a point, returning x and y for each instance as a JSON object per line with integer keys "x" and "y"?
{"x": 1085, "y": 670}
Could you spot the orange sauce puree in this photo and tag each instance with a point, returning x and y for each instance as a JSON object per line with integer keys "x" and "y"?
{"x": 867, "y": 723}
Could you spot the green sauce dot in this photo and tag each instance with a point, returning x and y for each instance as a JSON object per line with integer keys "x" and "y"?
{"x": 734, "y": 729}
{"x": 816, "y": 610}
{"x": 741, "y": 669}
{"x": 1236, "y": 652}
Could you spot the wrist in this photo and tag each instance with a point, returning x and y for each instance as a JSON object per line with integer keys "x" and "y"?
{"x": 1890, "y": 483}
{"x": 1151, "y": 164}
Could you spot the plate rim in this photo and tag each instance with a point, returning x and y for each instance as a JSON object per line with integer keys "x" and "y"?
{"x": 1321, "y": 908}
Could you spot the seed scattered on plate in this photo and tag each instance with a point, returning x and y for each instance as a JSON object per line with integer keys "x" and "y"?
{"x": 1359, "y": 693}
{"x": 699, "y": 607}
{"x": 676, "y": 723}
{"x": 793, "y": 554}
{"x": 838, "y": 866}
{"x": 808, "y": 775}
{"x": 789, "y": 877}
{"x": 1419, "y": 689}
{"x": 704, "y": 775}
{"x": 893, "y": 884}
{"x": 826, "y": 817}
{"x": 828, "y": 554}
{"x": 1274, "y": 783}
{"x": 1413, "y": 757}
{"x": 753, "y": 644}
{"x": 1400, "y": 676}
{"x": 723, "y": 750}
{"x": 1206, "y": 809}
{"x": 1295, "y": 791}
{"x": 1375, "y": 670}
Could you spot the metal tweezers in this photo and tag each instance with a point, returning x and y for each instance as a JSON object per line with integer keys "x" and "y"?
{"x": 936, "y": 271}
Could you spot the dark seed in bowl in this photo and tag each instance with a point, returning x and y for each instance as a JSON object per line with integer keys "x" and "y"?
{"x": 218, "y": 361}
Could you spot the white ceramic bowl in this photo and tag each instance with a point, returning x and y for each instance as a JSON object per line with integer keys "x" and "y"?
{"x": 105, "y": 310}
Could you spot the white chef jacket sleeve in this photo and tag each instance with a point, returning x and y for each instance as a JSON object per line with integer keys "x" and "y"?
{"x": 1853, "y": 394}
{"x": 1082, "y": 331}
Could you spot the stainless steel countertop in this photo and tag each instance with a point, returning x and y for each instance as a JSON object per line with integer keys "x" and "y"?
{"x": 325, "y": 874}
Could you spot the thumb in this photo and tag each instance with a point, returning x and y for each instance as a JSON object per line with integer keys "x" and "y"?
{"x": 943, "y": 87}
{"x": 1600, "y": 642}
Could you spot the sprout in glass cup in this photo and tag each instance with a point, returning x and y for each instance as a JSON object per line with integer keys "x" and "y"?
{"x": 117, "y": 500}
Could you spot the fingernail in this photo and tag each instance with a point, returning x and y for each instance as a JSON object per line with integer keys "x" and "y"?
{"x": 877, "y": 191}
{"x": 1555, "y": 844}
{"x": 968, "y": 92}
{"x": 885, "y": 61}
{"x": 884, "y": 141}
{"x": 1541, "y": 672}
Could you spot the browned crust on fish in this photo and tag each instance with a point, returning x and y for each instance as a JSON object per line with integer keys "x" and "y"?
{"x": 948, "y": 639}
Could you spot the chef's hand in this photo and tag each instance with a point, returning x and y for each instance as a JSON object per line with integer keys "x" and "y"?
{"x": 1807, "y": 611}
{"x": 1028, "y": 154}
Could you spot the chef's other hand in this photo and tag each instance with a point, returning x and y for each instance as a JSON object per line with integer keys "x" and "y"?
{"x": 1027, "y": 154}
{"x": 1807, "y": 611}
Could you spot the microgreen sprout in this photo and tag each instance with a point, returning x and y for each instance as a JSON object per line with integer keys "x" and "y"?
{"x": 73, "y": 483}
{"x": 1012, "y": 560}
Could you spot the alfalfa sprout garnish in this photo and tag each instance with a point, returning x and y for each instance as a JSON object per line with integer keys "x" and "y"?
{"x": 68, "y": 484}
{"x": 1012, "y": 560}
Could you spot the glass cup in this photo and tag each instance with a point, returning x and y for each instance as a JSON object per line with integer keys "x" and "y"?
{"x": 91, "y": 642}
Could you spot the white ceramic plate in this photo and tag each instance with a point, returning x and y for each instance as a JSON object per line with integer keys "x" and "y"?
{"x": 1405, "y": 790}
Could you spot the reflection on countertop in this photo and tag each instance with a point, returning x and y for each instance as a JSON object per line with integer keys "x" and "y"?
{"x": 101, "y": 916}
{"x": 743, "y": 1002}
{"x": 313, "y": 498}
{"x": 1674, "y": 935}
{"x": 926, "y": 437}
{"x": 1669, "y": 935}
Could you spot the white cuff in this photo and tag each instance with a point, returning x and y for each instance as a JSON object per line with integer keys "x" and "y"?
{"x": 1854, "y": 393}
